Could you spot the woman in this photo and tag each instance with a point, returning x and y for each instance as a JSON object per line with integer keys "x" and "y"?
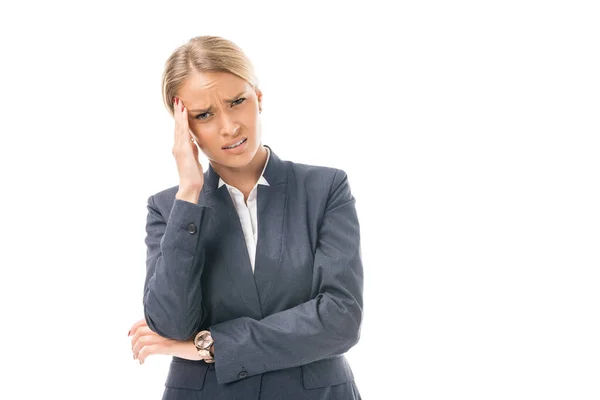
{"x": 254, "y": 274}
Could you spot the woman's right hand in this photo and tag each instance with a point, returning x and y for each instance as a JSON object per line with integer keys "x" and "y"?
{"x": 191, "y": 174}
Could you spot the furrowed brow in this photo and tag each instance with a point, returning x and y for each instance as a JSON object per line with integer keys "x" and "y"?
{"x": 224, "y": 101}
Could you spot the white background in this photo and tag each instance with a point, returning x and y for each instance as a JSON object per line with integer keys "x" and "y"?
{"x": 469, "y": 132}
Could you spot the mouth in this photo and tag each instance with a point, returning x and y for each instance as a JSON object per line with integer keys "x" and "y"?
{"x": 237, "y": 144}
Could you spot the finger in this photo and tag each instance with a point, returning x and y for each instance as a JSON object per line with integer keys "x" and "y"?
{"x": 147, "y": 351}
{"x": 141, "y": 332}
{"x": 195, "y": 145}
{"x": 182, "y": 130}
{"x": 145, "y": 339}
{"x": 178, "y": 119}
{"x": 176, "y": 108}
{"x": 140, "y": 343}
{"x": 135, "y": 326}
{"x": 184, "y": 126}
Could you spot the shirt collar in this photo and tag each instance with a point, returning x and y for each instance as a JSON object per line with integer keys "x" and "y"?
{"x": 261, "y": 180}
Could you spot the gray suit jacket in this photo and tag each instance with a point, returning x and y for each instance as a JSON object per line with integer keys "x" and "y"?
{"x": 282, "y": 331}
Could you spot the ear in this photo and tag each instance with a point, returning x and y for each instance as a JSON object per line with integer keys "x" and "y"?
{"x": 259, "y": 97}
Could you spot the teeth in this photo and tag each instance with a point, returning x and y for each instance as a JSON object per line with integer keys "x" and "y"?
{"x": 235, "y": 145}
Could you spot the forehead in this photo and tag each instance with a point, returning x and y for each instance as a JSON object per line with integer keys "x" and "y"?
{"x": 201, "y": 85}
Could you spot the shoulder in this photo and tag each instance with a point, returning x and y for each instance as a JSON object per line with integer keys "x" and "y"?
{"x": 316, "y": 177}
{"x": 320, "y": 188}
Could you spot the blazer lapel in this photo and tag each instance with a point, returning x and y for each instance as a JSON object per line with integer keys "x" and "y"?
{"x": 270, "y": 213}
{"x": 230, "y": 239}
{"x": 253, "y": 287}
{"x": 270, "y": 209}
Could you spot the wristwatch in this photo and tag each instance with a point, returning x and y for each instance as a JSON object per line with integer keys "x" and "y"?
{"x": 205, "y": 345}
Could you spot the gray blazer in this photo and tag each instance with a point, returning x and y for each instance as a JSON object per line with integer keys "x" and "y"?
{"x": 282, "y": 331}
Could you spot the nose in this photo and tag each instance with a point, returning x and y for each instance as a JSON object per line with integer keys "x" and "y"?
{"x": 228, "y": 126}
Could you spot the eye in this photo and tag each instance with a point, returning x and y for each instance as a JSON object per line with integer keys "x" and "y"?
{"x": 241, "y": 100}
{"x": 200, "y": 115}
{"x": 235, "y": 102}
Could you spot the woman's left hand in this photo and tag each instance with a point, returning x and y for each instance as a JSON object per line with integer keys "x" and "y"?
{"x": 145, "y": 342}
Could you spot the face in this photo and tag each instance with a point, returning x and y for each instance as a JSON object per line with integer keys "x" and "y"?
{"x": 223, "y": 109}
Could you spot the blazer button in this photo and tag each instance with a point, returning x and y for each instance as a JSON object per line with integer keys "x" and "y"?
{"x": 191, "y": 228}
{"x": 242, "y": 374}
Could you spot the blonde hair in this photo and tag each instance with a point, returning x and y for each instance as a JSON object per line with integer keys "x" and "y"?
{"x": 204, "y": 54}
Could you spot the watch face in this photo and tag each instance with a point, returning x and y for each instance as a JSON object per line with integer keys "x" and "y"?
{"x": 201, "y": 341}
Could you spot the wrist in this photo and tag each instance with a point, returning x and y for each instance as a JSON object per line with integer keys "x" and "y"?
{"x": 205, "y": 345}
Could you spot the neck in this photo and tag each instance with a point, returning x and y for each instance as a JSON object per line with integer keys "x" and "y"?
{"x": 244, "y": 177}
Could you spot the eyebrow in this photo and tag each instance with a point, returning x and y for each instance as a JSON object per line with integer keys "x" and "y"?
{"x": 225, "y": 101}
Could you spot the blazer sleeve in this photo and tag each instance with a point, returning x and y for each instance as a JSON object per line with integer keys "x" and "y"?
{"x": 174, "y": 263}
{"x": 327, "y": 325}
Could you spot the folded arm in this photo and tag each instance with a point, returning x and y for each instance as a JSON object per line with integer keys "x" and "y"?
{"x": 174, "y": 264}
{"x": 328, "y": 324}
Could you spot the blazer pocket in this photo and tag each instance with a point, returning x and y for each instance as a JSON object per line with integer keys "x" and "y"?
{"x": 187, "y": 375}
{"x": 327, "y": 372}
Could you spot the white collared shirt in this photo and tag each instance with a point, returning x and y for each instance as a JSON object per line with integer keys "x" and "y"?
{"x": 247, "y": 213}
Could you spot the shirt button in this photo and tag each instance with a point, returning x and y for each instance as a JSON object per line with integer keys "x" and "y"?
{"x": 191, "y": 228}
{"x": 242, "y": 374}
